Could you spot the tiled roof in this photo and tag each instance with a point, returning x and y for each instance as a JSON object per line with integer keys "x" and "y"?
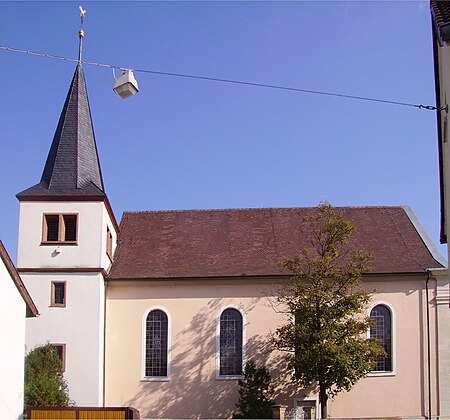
{"x": 251, "y": 242}
{"x": 31, "y": 307}
{"x": 440, "y": 11}
{"x": 72, "y": 167}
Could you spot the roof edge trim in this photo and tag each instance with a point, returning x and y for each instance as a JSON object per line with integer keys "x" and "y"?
{"x": 273, "y": 277}
{"x": 425, "y": 237}
{"x": 31, "y": 310}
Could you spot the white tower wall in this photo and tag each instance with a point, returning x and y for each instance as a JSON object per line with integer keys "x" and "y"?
{"x": 79, "y": 324}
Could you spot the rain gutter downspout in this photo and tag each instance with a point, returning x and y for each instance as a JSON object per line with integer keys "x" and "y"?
{"x": 428, "y": 343}
{"x": 104, "y": 343}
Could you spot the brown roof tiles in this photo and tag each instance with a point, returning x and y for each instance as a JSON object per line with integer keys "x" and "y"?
{"x": 251, "y": 242}
{"x": 440, "y": 12}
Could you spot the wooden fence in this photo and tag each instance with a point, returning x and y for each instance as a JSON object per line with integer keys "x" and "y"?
{"x": 82, "y": 413}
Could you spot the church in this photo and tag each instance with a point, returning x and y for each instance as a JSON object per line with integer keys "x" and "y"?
{"x": 161, "y": 311}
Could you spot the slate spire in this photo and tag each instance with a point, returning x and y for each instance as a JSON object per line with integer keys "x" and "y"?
{"x": 72, "y": 167}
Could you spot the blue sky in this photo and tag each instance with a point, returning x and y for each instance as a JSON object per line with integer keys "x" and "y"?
{"x": 191, "y": 144}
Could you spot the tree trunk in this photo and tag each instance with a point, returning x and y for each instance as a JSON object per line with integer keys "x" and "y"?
{"x": 323, "y": 398}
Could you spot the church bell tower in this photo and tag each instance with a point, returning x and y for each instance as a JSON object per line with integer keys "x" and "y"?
{"x": 67, "y": 238}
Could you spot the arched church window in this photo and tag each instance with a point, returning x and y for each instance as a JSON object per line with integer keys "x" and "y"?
{"x": 156, "y": 348}
{"x": 382, "y": 330}
{"x": 231, "y": 338}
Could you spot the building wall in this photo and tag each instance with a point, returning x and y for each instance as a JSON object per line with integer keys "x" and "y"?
{"x": 90, "y": 249}
{"x": 12, "y": 352}
{"x": 194, "y": 308}
{"x": 443, "y": 63}
{"x": 443, "y": 342}
{"x": 107, "y": 224}
{"x": 78, "y": 325}
{"x": 442, "y": 57}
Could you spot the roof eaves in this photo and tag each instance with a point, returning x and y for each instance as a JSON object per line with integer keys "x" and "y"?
{"x": 440, "y": 13}
{"x": 275, "y": 277}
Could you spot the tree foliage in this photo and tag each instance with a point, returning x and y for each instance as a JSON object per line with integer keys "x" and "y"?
{"x": 44, "y": 381}
{"x": 329, "y": 335}
{"x": 254, "y": 393}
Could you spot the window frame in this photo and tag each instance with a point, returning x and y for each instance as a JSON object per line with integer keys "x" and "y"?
{"x": 109, "y": 243}
{"x": 61, "y": 229}
{"x": 391, "y": 372}
{"x": 219, "y": 376}
{"x": 166, "y": 378}
{"x": 63, "y": 353}
{"x": 54, "y": 304}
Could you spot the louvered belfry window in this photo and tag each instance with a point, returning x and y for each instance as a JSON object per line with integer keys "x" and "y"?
{"x": 382, "y": 329}
{"x": 60, "y": 228}
{"x": 70, "y": 227}
{"x": 52, "y": 221}
{"x": 230, "y": 343}
{"x": 156, "y": 347}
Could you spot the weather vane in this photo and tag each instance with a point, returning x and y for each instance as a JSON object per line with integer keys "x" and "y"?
{"x": 81, "y": 33}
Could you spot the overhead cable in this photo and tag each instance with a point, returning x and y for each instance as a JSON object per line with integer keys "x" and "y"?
{"x": 237, "y": 82}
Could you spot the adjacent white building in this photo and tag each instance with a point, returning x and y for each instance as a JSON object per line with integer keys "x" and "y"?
{"x": 440, "y": 12}
{"x": 15, "y": 305}
{"x": 67, "y": 236}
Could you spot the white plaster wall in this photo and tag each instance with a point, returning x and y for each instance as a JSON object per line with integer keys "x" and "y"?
{"x": 12, "y": 350}
{"x": 444, "y": 75}
{"x": 107, "y": 223}
{"x": 441, "y": 290}
{"x": 91, "y": 236}
{"x": 79, "y": 325}
{"x": 443, "y": 309}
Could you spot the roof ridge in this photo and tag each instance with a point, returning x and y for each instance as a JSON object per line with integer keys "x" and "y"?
{"x": 255, "y": 208}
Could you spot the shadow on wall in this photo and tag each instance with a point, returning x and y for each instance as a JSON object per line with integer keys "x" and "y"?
{"x": 193, "y": 390}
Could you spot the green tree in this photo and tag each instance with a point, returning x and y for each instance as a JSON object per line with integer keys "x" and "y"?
{"x": 327, "y": 345}
{"x": 254, "y": 393}
{"x": 44, "y": 381}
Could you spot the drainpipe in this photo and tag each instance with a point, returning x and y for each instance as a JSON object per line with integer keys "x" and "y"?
{"x": 428, "y": 344}
{"x": 104, "y": 341}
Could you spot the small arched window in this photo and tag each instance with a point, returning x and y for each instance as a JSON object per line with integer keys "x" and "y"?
{"x": 230, "y": 363}
{"x": 156, "y": 338}
{"x": 382, "y": 330}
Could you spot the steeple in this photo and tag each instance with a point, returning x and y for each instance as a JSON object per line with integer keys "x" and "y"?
{"x": 72, "y": 168}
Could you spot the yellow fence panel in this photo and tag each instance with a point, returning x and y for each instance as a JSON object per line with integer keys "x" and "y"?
{"x": 102, "y": 415}
{"x": 53, "y": 414}
{"x": 82, "y": 413}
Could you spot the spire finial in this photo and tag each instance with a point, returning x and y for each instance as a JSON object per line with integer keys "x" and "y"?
{"x": 81, "y": 33}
